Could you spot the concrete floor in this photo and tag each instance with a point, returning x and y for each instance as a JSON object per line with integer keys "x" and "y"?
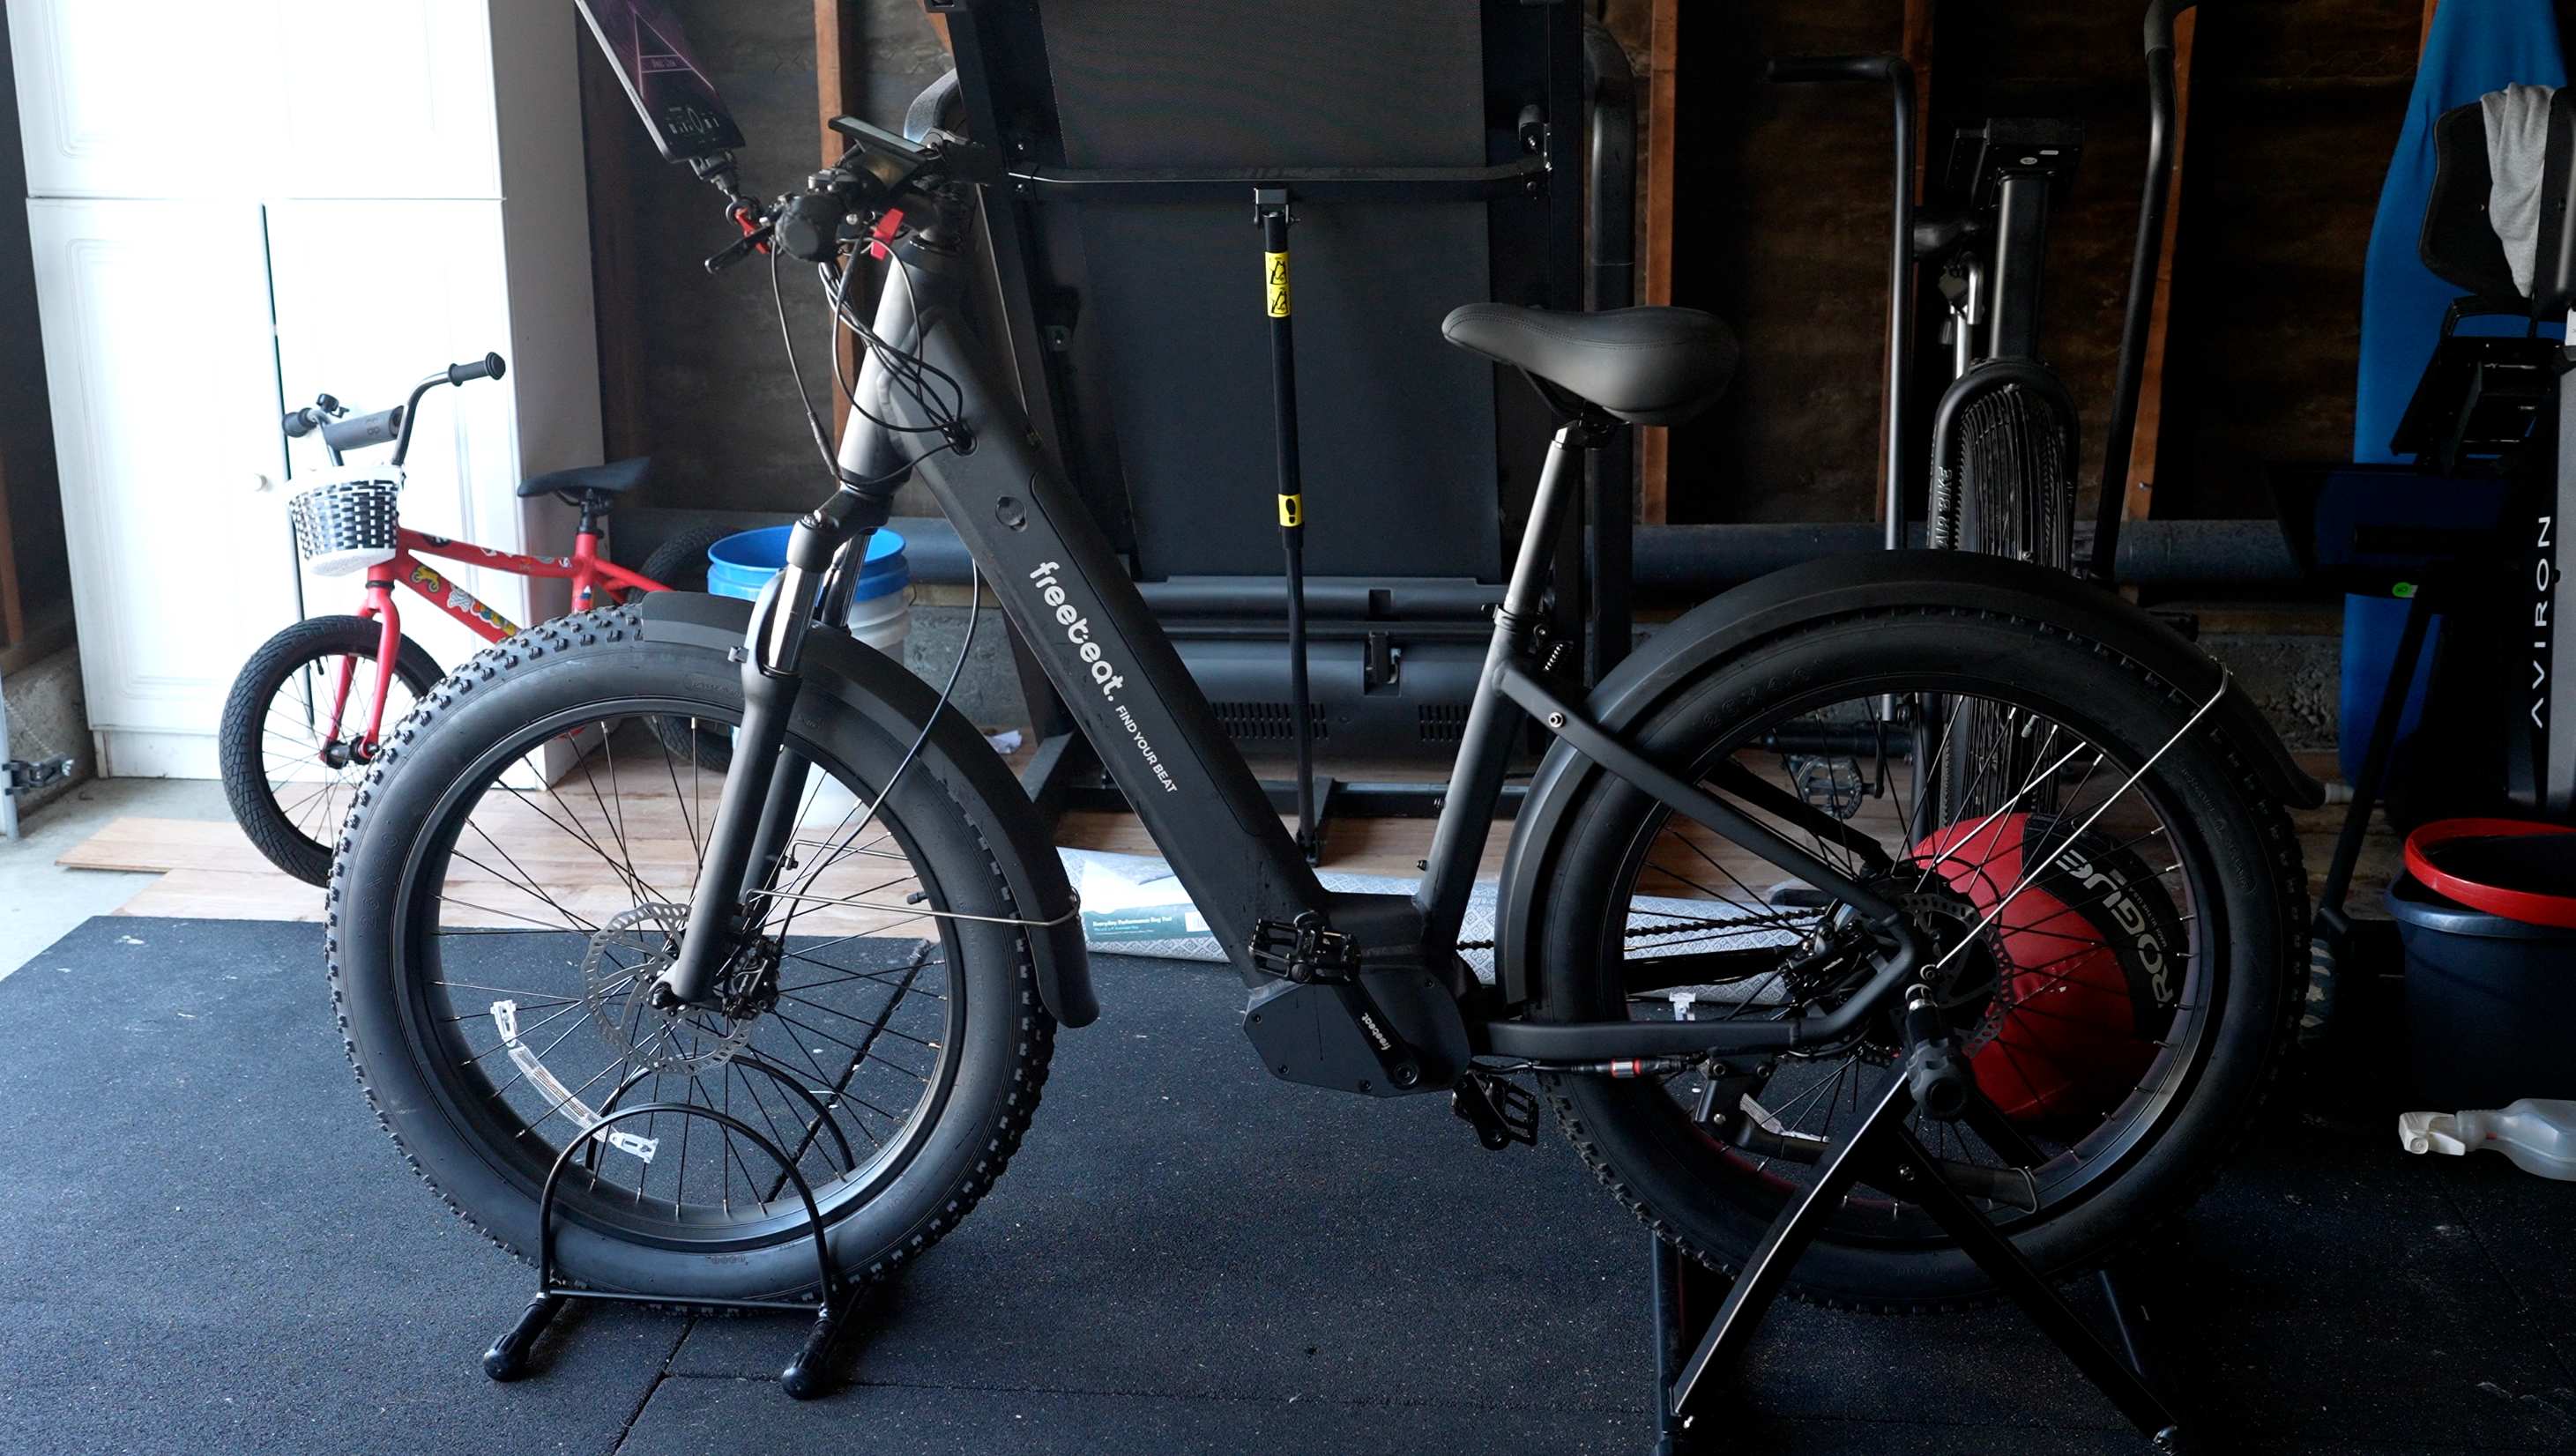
{"x": 40, "y": 900}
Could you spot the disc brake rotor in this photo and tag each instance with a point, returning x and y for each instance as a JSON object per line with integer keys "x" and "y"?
{"x": 625, "y": 957}
{"x": 1967, "y": 989}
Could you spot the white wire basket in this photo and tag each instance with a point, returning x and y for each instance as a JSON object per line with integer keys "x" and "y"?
{"x": 346, "y": 523}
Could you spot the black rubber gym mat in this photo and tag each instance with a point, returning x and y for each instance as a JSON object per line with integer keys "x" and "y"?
{"x": 207, "y": 1245}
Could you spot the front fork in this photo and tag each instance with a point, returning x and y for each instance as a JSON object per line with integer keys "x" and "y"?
{"x": 747, "y": 850}
{"x": 765, "y": 784}
{"x": 381, "y": 610}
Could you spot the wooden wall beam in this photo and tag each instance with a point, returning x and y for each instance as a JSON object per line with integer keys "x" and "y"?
{"x": 2140, "y": 500}
{"x": 1654, "y": 449}
{"x": 840, "y": 83}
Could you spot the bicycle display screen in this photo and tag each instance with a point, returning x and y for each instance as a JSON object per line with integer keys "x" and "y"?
{"x": 663, "y": 78}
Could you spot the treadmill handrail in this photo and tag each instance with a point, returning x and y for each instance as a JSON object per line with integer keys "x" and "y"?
{"x": 1201, "y": 184}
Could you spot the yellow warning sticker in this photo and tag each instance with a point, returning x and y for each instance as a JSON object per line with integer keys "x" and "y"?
{"x": 1292, "y": 510}
{"x": 1274, "y": 271}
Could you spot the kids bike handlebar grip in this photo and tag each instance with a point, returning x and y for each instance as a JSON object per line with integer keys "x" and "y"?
{"x": 298, "y": 423}
{"x": 489, "y": 367}
{"x": 361, "y": 431}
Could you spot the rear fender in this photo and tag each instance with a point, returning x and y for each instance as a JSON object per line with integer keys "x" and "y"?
{"x": 880, "y": 690}
{"x": 1705, "y": 637}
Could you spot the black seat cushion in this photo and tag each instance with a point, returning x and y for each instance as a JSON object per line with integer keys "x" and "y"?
{"x": 1649, "y": 366}
{"x": 2458, "y": 243}
{"x": 614, "y": 478}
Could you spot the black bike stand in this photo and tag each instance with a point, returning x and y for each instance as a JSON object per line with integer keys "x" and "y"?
{"x": 1885, "y": 1154}
{"x": 804, "y": 1376}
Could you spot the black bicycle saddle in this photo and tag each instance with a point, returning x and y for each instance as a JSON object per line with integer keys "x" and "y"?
{"x": 1648, "y": 366}
{"x": 614, "y": 478}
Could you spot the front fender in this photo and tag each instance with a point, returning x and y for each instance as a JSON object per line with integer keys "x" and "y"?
{"x": 881, "y": 691}
{"x": 1706, "y": 636}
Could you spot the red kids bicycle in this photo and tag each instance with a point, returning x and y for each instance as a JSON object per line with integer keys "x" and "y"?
{"x": 304, "y": 718}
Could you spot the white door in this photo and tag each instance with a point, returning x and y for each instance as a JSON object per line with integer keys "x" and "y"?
{"x": 164, "y": 383}
{"x": 391, "y": 98}
{"x": 147, "y": 98}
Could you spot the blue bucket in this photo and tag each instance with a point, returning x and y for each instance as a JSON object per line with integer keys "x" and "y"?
{"x": 739, "y": 566}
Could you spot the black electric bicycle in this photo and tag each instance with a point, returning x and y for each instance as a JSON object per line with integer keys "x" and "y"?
{"x": 856, "y": 937}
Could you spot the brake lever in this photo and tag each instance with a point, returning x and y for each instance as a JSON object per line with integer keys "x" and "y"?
{"x": 751, "y": 242}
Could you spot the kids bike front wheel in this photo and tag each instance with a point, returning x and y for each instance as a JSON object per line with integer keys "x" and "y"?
{"x": 518, "y": 874}
{"x": 299, "y": 728}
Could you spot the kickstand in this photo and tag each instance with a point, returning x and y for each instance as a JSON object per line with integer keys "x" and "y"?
{"x": 1884, "y": 1153}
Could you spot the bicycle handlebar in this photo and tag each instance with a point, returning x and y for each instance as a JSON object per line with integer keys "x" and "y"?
{"x": 490, "y": 366}
{"x": 301, "y": 422}
{"x": 343, "y": 432}
{"x": 359, "y": 432}
{"x": 841, "y": 202}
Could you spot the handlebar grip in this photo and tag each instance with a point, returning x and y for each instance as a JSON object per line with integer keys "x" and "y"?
{"x": 301, "y": 422}
{"x": 358, "y": 432}
{"x": 490, "y": 367}
{"x": 1798, "y": 70}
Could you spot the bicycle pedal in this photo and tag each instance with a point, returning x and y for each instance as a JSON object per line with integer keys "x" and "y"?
{"x": 1502, "y": 1111}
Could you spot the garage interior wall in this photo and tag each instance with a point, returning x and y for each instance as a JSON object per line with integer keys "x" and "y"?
{"x": 1780, "y": 218}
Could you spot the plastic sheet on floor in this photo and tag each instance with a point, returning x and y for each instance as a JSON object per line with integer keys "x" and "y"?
{"x": 1132, "y": 904}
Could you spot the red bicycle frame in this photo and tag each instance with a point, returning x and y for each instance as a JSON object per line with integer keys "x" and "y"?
{"x": 590, "y": 574}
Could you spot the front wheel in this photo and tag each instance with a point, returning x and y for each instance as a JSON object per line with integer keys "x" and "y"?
{"x": 294, "y": 739}
{"x": 518, "y": 873}
{"x": 2122, "y": 910}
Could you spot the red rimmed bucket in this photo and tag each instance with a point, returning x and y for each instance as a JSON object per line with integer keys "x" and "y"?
{"x": 2487, "y": 913}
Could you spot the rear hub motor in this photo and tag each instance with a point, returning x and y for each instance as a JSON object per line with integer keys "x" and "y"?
{"x": 2088, "y": 963}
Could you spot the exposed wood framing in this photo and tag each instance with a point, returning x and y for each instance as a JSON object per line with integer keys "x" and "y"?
{"x": 1654, "y": 450}
{"x": 840, "y": 79}
{"x": 2140, "y": 502}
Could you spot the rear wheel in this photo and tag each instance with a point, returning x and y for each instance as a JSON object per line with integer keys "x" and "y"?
{"x": 680, "y": 563}
{"x": 519, "y": 873}
{"x": 2124, "y": 949}
{"x": 292, "y": 743}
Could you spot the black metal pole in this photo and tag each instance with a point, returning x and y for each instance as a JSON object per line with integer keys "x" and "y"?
{"x": 2130, "y": 379}
{"x": 2375, "y": 761}
{"x": 1610, "y": 500}
{"x": 1270, "y": 210}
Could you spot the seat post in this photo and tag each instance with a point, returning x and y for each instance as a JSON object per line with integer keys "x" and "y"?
{"x": 1485, "y": 747}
